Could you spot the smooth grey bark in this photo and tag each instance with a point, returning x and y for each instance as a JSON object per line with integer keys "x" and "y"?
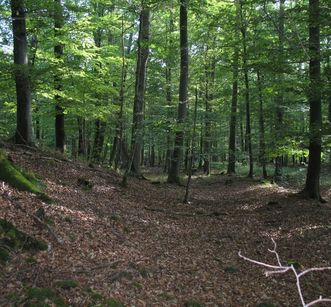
{"x": 191, "y": 150}
{"x": 24, "y": 131}
{"x": 280, "y": 96}
{"x": 168, "y": 73}
{"x": 99, "y": 124}
{"x": 119, "y": 147}
{"x": 262, "y": 157}
{"x": 81, "y": 151}
{"x": 248, "y": 134}
{"x": 138, "y": 105}
{"x": 233, "y": 115}
{"x": 312, "y": 185}
{"x": 58, "y": 52}
{"x": 174, "y": 170}
{"x": 210, "y": 66}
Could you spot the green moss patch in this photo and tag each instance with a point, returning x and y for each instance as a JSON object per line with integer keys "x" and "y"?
{"x": 113, "y": 303}
{"x": 193, "y": 304}
{"x": 13, "y": 176}
{"x": 85, "y": 184}
{"x": 21, "y": 179}
{"x": 43, "y": 297}
{"x": 11, "y": 239}
{"x": 66, "y": 284}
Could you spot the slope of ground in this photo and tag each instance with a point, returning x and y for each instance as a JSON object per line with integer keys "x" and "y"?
{"x": 142, "y": 247}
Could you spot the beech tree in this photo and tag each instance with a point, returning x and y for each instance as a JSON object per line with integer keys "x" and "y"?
{"x": 249, "y": 61}
{"x": 174, "y": 170}
{"x": 24, "y": 132}
{"x": 138, "y": 106}
{"x": 58, "y": 52}
{"x": 312, "y": 186}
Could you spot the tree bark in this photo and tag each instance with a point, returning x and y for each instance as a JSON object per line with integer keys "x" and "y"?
{"x": 119, "y": 145}
{"x": 280, "y": 96}
{"x": 173, "y": 174}
{"x": 261, "y": 126}
{"x": 81, "y": 137}
{"x": 168, "y": 71}
{"x": 233, "y": 116}
{"x": 312, "y": 186}
{"x": 24, "y": 131}
{"x": 58, "y": 52}
{"x": 138, "y": 106}
{"x": 247, "y": 98}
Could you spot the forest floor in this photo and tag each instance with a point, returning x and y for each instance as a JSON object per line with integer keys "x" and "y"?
{"x": 142, "y": 247}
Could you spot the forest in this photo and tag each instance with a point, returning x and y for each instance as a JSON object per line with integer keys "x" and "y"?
{"x": 164, "y": 152}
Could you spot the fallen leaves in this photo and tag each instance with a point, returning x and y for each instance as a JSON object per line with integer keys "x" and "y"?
{"x": 142, "y": 247}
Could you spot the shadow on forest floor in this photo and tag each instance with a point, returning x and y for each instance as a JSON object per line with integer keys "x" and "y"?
{"x": 141, "y": 246}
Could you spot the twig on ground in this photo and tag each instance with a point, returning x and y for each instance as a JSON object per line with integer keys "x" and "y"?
{"x": 280, "y": 269}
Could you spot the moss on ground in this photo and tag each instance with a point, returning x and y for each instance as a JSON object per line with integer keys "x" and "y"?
{"x": 21, "y": 179}
{"x": 12, "y": 239}
{"x": 14, "y": 177}
{"x": 43, "y": 297}
{"x": 66, "y": 284}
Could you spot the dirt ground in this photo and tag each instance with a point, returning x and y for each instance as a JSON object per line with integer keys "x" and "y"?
{"x": 142, "y": 247}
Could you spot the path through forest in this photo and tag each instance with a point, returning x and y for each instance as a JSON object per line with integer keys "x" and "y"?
{"x": 142, "y": 247}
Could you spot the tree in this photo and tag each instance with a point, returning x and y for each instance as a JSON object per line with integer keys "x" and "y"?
{"x": 24, "y": 132}
{"x": 280, "y": 95}
{"x": 312, "y": 186}
{"x": 138, "y": 105}
{"x": 248, "y": 134}
{"x": 58, "y": 52}
{"x": 174, "y": 170}
{"x": 233, "y": 116}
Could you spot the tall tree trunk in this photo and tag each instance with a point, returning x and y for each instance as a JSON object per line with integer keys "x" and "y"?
{"x": 58, "y": 52}
{"x": 312, "y": 186}
{"x": 173, "y": 173}
{"x": 261, "y": 126}
{"x": 24, "y": 131}
{"x": 233, "y": 116}
{"x": 247, "y": 98}
{"x": 99, "y": 124}
{"x": 81, "y": 137}
{"x": 191, "y": 150}
{"x": 210, "y": 66}
{"x": 280, "y": 95}
{"x": 99, "y": 138}
{"x": 118, "y": 142}
{"x": 138, "y": 106}
{"x": 168, "y": 69}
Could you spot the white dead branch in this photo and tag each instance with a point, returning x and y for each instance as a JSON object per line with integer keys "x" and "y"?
{"x": 280, "y": 269}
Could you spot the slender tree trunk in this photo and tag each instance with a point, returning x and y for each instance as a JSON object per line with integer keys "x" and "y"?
{"x": 118, "y": 142}
{"x": 81, "y": 137}
{"x": 328, "y": 74}
{"x": 247, "y": 103}
{"x": 173, "y": 174}
{"x": 280, "y": 95}
{"x": 138, "y": 107}
{"x": 24, "y": 131}
{"x": 261, "y": 126}
{"x": 169, "y": 93}
{"x": 312, "y": 186}
{"x": 99, "y": 138}
{"x": 58, "y": 52}
{"x": 233, "y": 116}
{"x": 208, "y": 111}
{"x": 242, "y": 137}
{"x": 169, "y": 104}
{"x": 191, "y": 150}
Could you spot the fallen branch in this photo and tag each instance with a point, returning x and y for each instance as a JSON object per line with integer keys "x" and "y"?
{"x": 280, "y": 269}
{"x": 170, "y": 212}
